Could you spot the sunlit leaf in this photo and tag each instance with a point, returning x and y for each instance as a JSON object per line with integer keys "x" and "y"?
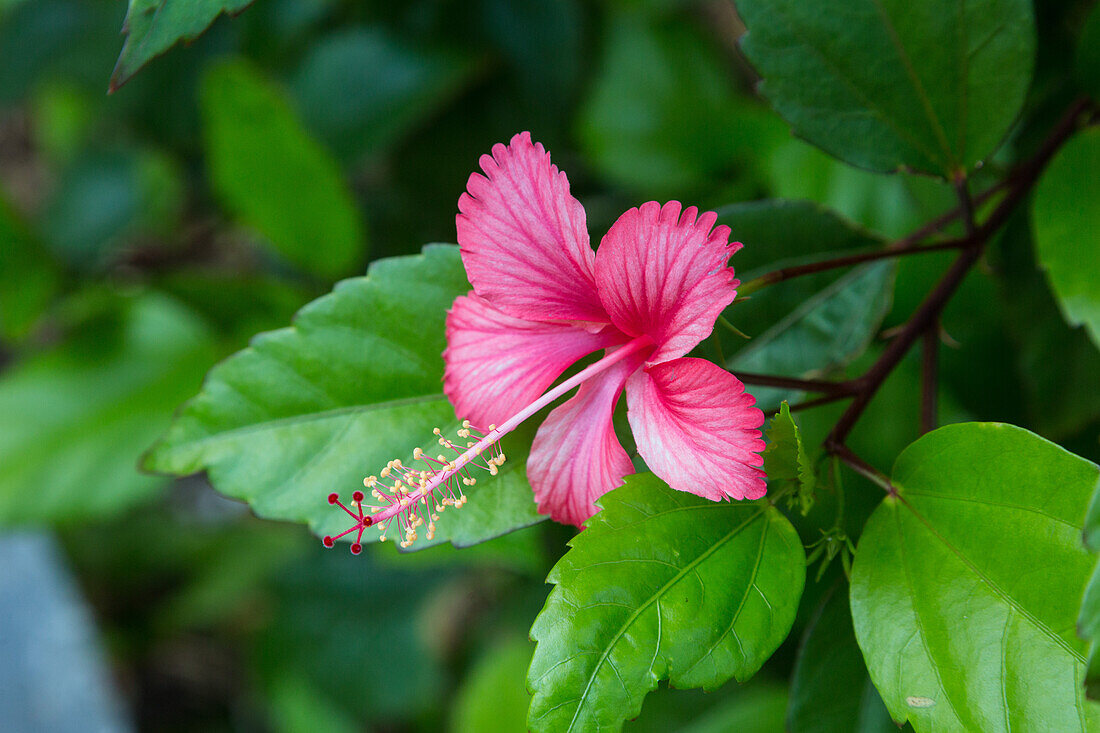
{"x": 353, "y": 384}
{"x": 966, "y": 583}
{"x": 661, "y": 584}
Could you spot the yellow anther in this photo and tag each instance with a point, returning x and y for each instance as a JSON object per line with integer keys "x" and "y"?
{"x": 435, "y": 517}
{"x": 385, "y": 472}
{"x": 397, "y": 463}
{"x": 418, "y": 453}
{"x": 466, "y": 424}
{"x": 404, "y": 502}
{"x": 470, "y": 444}
{"x": 443, "y": 441}
{"x": 437, "y": 431}
{"x": 375, "y": 509}
{"x": 492, "y": 427}
{"x": 493, "y": 470}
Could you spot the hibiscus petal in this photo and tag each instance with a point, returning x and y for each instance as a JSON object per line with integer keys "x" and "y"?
{"x": 576, "y": 457}
{"x": 497, "y": 364}
{"x": 697, "y": 429}
{"x": 523, "y": 237}
{"x": 663, "y": 274}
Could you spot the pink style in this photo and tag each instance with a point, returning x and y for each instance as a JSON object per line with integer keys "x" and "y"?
{"x": 542, "y": 300}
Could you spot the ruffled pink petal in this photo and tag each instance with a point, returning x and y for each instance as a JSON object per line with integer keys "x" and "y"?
{"x": 663, "y": 274}
{"x": 697, "y": 429}
{"x": 576, "y": 457}
{"x": 523, "y": 237}
{"x": 497, "y": 364}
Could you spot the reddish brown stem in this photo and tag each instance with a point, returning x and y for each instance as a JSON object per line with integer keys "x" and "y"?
{"x": 805, "y": 385}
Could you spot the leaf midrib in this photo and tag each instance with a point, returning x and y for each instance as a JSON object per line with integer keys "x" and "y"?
{"x": 653, "y": 598}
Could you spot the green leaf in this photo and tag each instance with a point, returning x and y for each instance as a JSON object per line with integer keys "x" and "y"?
{"x": 1088, "y": 54}
{"x": 662, "y": 584}
{"x": 396, "y": 87}
{"x": 1088, "y": 619}
{"x": 154, "y": 26}
{"x": 820, "y": 322}
{"x": 80, "y": 415}
{"x": 29, "y": 278}
{"x": 271, "y": 174}
{"x": 830, "y": 689}
{"x": 756, "y": 709}
{"x": 492, "y": 696}
{"x": 353, "y": 384}
{"x": 683, "y": 127}
{"x": 1066, "y": 220}
{"x": 108, "y": 196}
{"x": 360, "y": 635}
{"x": 931, "y": 86}
{"x": 786, "y": 460}
{"x": 966, "y": 583}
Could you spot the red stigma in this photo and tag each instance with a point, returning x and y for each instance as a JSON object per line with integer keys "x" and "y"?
{"x": 361, "y": 522}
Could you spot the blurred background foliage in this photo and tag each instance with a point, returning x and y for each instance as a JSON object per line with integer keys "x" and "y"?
{"x": 147, "y": 233}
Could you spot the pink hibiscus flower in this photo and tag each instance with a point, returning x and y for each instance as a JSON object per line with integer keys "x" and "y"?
{"x": 542, "y": 300}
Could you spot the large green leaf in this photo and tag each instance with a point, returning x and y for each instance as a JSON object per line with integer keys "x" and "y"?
{"x": 830, "y": 689}
{"x": 353, "y": 384}
{"x": 77, "y": 418}
{"x": 154, "y": 26}
{"x": 661, "y": 584}
{"x": 1066, "y": 219}
{"x": 966, "y": 583}
{"x": 886, "y": 84}
{"x": 273, "y": 175}
{"x": 817, "y": 323}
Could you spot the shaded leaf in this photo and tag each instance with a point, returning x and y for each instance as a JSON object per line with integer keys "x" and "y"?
{"x": 353, "y": 384}
{"x": 830, "y": 689}
{"x": 29, "y": 277}
{"x": 396, "y": 87}
{"x": 154, "y": 26}
{"x": 1066, "y": 221}
{"x": 1088, "y": 54}
{"x": 661, "y": 584}
{"x": 680, "y": 128}
{"x": 269, "y": 172}
{"x": 492, "y": 696}
{"x": 107, "y": 196}
{"x": 815, "y": 323}
{"x": 80, "y": 415}
{"x": 966, "y": 583}
{"x": 931, "y": 86}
